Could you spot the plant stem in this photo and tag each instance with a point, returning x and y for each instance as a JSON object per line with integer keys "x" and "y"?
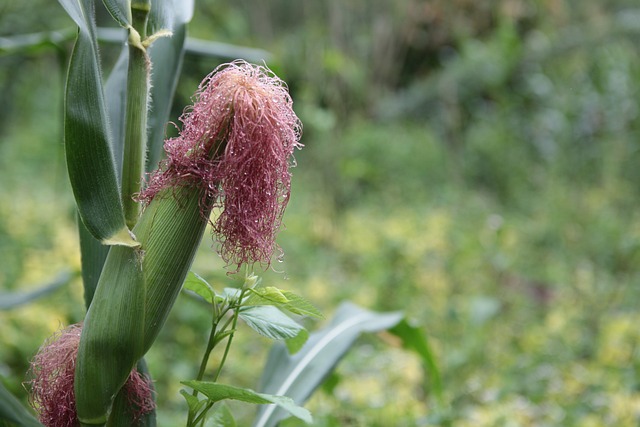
{"x": 236, "y": 312}
{"x": 214, "y": 339}
{"x": 135, "y": 143}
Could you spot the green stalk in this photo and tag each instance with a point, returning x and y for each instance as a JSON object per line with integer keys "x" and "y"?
{"x": 138, "y": 82}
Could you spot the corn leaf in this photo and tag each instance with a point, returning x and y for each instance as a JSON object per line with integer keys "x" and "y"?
{"x": 92, "y": 252}
{"x": 13, "y": 300}
{"x": 299, "y": 375}
{"x": 217, "y": 392}
{"x": 12, "y": 411}
{"x": 166, "y": 55}
{"x": 88, "y": 144}
{"x": 166, "y": 14}
{"x": 413, "y": 338}
{"x": 116, "y": 101}
{"x": 120, "y": 11}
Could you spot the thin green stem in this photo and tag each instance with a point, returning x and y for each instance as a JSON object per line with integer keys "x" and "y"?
{"x": 236, "y": 313}
{"x": 202, "y": 414}
{"x": 135, "y": 143}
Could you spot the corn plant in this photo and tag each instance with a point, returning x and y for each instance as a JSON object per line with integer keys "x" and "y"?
{"x": 141, "y": 220}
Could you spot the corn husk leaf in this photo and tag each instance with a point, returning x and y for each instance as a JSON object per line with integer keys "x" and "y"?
{"x": 88, "y": 145}
{"x": 166, "y": 54}
{"x": 120, "y": 11}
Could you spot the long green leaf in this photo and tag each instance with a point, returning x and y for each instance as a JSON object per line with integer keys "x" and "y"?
{"x": 217, "y": 392}
{"x": 299, "y": 375}
{"x": 166, "y": 55}
{"x": 116, "y": 101}
{"x": 88, "y": 143}
{"x": 11, "y": 410}
{"x": 92, "y": 252}
{"x": 13, "y": 300}
{"x": 166, "y": 14}
{"x": 413, "y": 338}
{"x": 120, "y": 11}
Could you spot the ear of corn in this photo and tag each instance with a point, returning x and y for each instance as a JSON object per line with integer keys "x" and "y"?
{"x": 135, "y": 293}
{"x": 112, "y": 336}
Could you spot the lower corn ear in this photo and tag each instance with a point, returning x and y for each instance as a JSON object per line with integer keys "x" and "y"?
{"x": 135, "y": 293}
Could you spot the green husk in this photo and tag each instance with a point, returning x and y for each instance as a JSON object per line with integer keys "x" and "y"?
{"x": 135, "y": 293}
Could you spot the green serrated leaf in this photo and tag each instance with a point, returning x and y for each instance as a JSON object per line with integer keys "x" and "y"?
{"x": 282, "y": 299}
{"x": 222, "y": 417}
{"x": 270, "y": 322}
{"x": 302, "y": 306}
{"x": 199, "y": 286}
{"x": 88, "y": 144}
{"x": 217, "y": 392}
{"x": 270, "y": 294}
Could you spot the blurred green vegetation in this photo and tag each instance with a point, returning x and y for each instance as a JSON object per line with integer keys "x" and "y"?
{"x": 474, "y": 164}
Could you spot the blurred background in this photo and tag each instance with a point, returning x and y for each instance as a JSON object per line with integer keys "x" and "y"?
{"x": 474, "y": 164}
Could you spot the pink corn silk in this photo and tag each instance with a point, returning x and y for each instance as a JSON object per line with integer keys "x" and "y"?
{"x": 52, "y": 378}
{"x": 237, "y": 144}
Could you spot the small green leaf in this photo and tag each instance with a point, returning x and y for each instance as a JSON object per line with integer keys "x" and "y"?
{"x": 300, "y": 305}
{"x": 216, "y": 392}
{"x": 270, "y": 322}
{"x": 269, "y": 294}
{"x": 282, "y": 299}
{"x": 296, "y": 343}
{"x": 221, "y": 417}
{"x": 199, "y": 286}
{"x": 193, "y": 402}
